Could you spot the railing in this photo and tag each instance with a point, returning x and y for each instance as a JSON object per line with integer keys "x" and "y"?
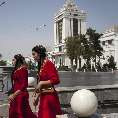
{"x": 107, "y": 95}
{"x": 5, "y": 82}
{"x": 4, "y": 87}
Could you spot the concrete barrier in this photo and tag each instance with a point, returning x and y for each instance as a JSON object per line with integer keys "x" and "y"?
{"x": 72, "y": 79}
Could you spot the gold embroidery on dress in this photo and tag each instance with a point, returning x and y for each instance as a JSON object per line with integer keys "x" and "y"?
{"x": 42, "y": 67}
{"x": 19, "y": 68}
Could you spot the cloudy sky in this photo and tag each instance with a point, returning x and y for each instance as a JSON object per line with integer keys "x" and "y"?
{"x": 21, "y": 22}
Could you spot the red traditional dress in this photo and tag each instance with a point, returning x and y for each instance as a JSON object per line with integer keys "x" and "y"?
{"x": 20, "y": 108}
{"x": 49, "y": 105}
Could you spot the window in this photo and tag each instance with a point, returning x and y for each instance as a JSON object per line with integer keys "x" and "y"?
{"x": 75, "y": 27}
{"x": 110, "y": 42}
{"x": 60, "y": 31}
{"x": 75, "y": 14}
{"x": 60, "y": 49}
{"x": 103, "y": 42}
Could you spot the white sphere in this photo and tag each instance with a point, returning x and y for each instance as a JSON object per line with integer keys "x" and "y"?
{"x": 84, "y": 103}
{"x": 31, "y": 81}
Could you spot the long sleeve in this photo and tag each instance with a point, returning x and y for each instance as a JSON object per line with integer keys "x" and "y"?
{"x": 52, "y": 73}
{"x": 23, "y": 78}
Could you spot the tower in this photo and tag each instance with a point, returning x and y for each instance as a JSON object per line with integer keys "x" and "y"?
{"x": 68, "y": 21}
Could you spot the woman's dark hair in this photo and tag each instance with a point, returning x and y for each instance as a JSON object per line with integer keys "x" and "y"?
{"x": 41, "y": 50}
{"x": 20, "y": 60}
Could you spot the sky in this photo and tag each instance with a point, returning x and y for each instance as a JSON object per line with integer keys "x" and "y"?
{"x": 20, "y": 19}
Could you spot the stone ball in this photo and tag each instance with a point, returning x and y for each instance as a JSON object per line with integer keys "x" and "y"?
{"x": 31, "y": 81}
{"x": 84, "y": 103}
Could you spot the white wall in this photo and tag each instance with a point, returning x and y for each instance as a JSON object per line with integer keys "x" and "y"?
{"x": 110, "y": 49}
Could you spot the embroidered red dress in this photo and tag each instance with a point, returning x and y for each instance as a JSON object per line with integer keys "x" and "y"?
{"x": 20, "y": 108}
{"x": 49, "y": 105}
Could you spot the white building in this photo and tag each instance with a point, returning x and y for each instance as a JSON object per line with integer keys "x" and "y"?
{"x": 69, "y": 21}
{"x": 109, "y": 41}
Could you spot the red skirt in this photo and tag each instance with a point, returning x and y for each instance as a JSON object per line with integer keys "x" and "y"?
{"x": 20, "y": 107}
{"x": 49, "y": 106}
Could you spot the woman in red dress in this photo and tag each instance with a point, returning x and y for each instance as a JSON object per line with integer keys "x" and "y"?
{"x": 19, "y": 103}
{"x": 49, "y": 105}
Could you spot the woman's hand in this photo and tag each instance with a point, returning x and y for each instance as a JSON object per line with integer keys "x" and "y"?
{"x": 12, "y": 97}
{"x": 39, "y": 86}
{"x": 38, "y": 89}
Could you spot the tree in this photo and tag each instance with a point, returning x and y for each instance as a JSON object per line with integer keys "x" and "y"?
{"x": 111, "y": 63}
{"x": 79, "y": 50}
{"x": 85, "y": 47}
{"x": 70, "y": 49}
{"x": 86, "y": 52}
{"x": 105, "y": 67}
{"x": 94, "y": 43}
{"x": 99, "y": 66}
{"x": 73, "y": 49}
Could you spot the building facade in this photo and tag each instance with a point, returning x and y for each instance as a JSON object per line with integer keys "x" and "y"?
{"x": 109, "y": 42}
{"x": 68, "y": 21}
